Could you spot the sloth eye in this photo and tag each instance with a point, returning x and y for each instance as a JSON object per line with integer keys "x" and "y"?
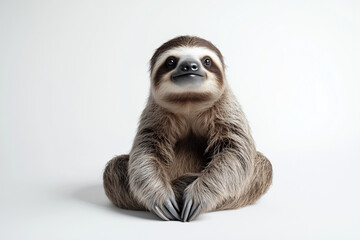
{"x": 206, "y": 61}
{"x": 171, "y": 62}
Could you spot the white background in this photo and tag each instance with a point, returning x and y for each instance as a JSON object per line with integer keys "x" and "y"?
{"x": 74, "y": 80}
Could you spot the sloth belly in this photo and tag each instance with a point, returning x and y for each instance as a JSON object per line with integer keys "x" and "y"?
{"x": 189, "y": 156}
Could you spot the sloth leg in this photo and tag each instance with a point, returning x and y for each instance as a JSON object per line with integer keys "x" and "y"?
{"x": 259, "y": 184}
{"x": 116, "y": 183}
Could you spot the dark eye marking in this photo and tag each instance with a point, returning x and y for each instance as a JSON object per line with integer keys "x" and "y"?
{"x": 211, "y": 66}
{"x": 169, "y": 64}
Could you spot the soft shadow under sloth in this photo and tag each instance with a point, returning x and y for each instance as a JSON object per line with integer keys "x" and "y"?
{"x": 193, "y": 151}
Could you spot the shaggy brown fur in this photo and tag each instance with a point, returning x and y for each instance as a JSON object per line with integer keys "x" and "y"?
{"x": 193, "y": 149}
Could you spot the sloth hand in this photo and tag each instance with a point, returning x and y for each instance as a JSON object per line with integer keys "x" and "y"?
{"x": 194, "y": 203}
{"x": 167, "y": 210}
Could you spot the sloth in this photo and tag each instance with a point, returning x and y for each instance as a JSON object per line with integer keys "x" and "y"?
{"x": 193, "y": 151}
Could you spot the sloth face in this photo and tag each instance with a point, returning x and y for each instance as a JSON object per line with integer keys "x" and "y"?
{"x": 187, "y": 71}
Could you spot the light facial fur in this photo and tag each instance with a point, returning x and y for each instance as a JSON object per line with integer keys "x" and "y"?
{"x": 168, "y": 94}
{"x": 193, "y": 151}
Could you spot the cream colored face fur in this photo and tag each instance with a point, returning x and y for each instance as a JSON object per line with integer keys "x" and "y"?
{"x": 211, "y": 87}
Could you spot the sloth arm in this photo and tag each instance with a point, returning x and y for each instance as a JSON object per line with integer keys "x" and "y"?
{"x": 232, "y": 161}
{"x": 231, "y": 147}
{"x": 148, "y": 181}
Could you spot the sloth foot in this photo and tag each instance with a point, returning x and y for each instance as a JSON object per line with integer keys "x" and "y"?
{"x": 167, "y": 211}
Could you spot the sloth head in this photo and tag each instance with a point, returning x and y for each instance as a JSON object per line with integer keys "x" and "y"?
{"x": 187, "y": 74}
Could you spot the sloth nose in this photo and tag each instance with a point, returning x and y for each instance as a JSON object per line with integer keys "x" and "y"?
{"x": 187, "y": 66}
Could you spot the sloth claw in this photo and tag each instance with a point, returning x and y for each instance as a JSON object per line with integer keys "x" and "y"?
{"x": 174, "y": 203}
{"x": 167, "y": 211}
{"x": 186, "y": 210}
{"x": 172, "y": 206}
{"x": 194, "y": 212}
{"x": 191, "y": 210}
{"x": 160, "y": 214}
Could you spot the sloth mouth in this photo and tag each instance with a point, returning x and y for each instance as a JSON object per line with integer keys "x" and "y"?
{"x": 188, "y": 79}
{"x": 189, "y": 75}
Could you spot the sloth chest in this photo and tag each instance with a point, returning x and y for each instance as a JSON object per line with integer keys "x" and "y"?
{"x": 189, "y": 156}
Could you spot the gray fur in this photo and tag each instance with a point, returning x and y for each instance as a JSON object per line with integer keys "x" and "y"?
{"x": 200, "y": 153}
